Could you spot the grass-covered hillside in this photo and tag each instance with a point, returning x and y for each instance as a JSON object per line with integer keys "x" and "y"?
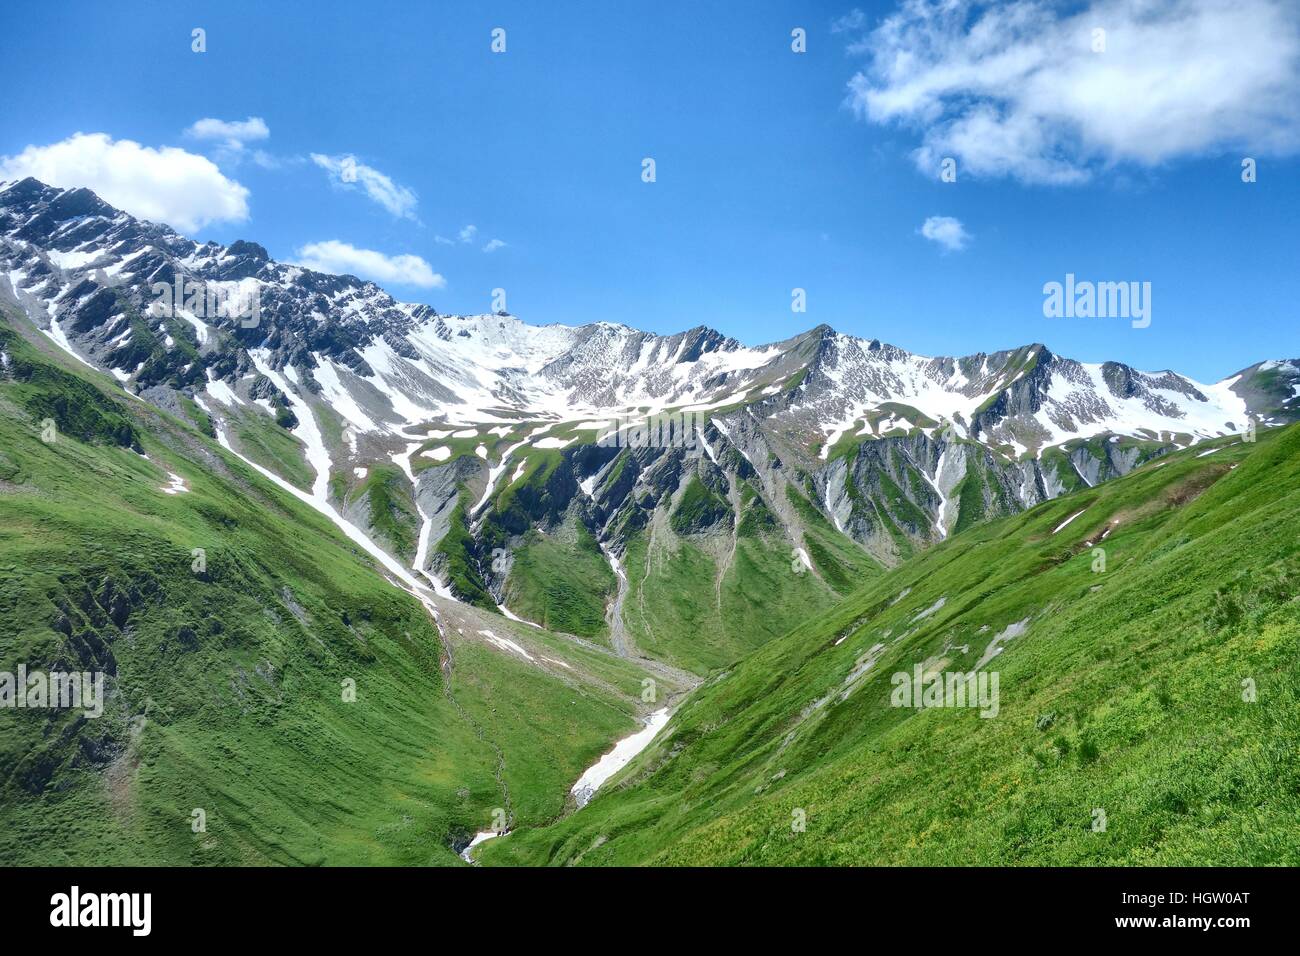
{"x": 703, "y": 602}
{"x": 1146, "y": 637}
{"x": 233, "y": 623}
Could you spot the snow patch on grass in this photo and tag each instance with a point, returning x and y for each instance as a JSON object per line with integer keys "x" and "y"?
{"x": 618, "y": 758}
{"x": 505, "y": 644}
{"x": 1067, "y": 521}
{"x": 930, "y": 610}
{"x": 995, "y": 648}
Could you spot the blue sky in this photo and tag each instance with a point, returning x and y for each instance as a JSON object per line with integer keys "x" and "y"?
{"x": 768, "y": 177}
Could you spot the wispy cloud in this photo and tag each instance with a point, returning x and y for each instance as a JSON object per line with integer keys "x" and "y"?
{"x": 170, "y": 185}
{"x": 348, "y": 172}
{"x": 852, "y": 21}
{"x": 466, "y": 237}
{"x": 230, "y": 139}
{"x": 341, "y": 258}
{"x": 1029, "y": 89}
{"x": 492, "y": 245}
{"x": 232, "y": 134}
{"x": 946, "y": 231}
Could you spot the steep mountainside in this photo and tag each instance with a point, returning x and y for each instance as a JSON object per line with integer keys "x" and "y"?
{"x": 1144, "y": 637}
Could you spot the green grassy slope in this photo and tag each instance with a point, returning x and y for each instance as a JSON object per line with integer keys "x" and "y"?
{"x": 562, "y": 581}
{"x": 1122, "y": 698}
{"x": 393, "y": 517}
{"x": 697, "y": 610}
{"x": 274, "y": 448}
{"x": 226, "y": 675}
{"x": 457, "y": 551}
{"x": 843, "y": 565}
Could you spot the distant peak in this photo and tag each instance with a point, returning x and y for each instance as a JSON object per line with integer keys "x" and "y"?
{"x": 25, "y": 190}
{"x": 241, "y": 247}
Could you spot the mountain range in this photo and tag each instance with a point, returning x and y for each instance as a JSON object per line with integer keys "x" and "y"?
{"x": 515, "y": 486}
{"x": 455, "y": 442}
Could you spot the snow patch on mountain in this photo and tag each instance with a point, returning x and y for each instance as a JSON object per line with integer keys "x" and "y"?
{"x": 1080, "y": 401}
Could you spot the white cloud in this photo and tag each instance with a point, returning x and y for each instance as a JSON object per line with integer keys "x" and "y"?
{"x": 492, "y": 245}
{"x": 466, "y": 236}
{"x": 946, "y": 231}
{"x": 1016, "y": 89}
{"x": 347, "y": 171}
{"x": 341, "y": 258}
{"x": 169, "y": 185}
{"x": 232, "y": 134}
{"x": 264, "y": 159}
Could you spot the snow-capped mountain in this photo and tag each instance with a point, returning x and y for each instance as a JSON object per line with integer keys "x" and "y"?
{"x": 482, "y": 429}
{"x": 1019, "y": 400}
